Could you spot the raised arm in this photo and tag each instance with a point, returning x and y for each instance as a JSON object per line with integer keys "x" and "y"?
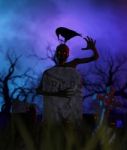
{"x": 91, "y": 44}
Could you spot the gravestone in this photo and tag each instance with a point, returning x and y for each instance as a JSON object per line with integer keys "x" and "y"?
{"x": 57, "y": 108}
{"x": 19, "y": 106}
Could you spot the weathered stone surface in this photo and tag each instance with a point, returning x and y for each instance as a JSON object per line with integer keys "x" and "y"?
{"x": 62, "y": 108}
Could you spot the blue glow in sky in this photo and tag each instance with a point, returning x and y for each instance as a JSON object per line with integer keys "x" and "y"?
{"x": 27, "y": 25}
{"x": 31, "y": 24}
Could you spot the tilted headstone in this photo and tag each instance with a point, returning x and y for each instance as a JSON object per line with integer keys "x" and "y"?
{"x": 58, "y": 108}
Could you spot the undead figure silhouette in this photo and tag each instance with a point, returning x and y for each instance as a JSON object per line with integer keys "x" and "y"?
{"x": 61, "y": 84}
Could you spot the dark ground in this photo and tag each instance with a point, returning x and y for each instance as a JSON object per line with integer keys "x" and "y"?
{"x": 22, "y": 132}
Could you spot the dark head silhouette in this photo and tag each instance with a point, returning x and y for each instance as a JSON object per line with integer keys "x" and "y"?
{"x": 61, "y": 54}
{"x": 66, "y": 33}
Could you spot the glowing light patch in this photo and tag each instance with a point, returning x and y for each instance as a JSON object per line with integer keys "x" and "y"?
{"x": 119, "y": 123}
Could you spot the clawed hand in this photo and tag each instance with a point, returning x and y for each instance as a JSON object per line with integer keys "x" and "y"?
{"x": 90, "y": 43}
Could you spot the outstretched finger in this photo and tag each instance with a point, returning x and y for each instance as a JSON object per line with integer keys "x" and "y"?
{"x": 85, "y": 39}
{"x": 94, "y": 42}
{"x": 88, "y": 38}
{"x": 91, "y": 40}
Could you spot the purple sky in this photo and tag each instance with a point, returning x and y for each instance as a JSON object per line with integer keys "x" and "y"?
{"x": 27, "y": 25}
{"x": 30, "y": 24}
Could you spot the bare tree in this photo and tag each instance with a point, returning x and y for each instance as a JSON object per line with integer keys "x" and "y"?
{"x": 10, "y": 89}
{"x": 111, "y": 71}
{"x": 108, "y": 73}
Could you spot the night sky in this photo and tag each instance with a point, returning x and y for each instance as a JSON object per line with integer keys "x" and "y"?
{"x": 28, "y": 26}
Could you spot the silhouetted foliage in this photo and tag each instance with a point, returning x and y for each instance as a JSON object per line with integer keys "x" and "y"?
{"x": 13, "y": 85}
{"x": 110, "y": 71}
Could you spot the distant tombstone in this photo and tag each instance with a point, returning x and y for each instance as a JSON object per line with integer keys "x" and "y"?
{"x": 56, "y": 108}
{"x": 19, "y": 107}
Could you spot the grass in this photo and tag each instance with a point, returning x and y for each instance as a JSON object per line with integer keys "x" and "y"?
{"x": 20, "y": 133}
